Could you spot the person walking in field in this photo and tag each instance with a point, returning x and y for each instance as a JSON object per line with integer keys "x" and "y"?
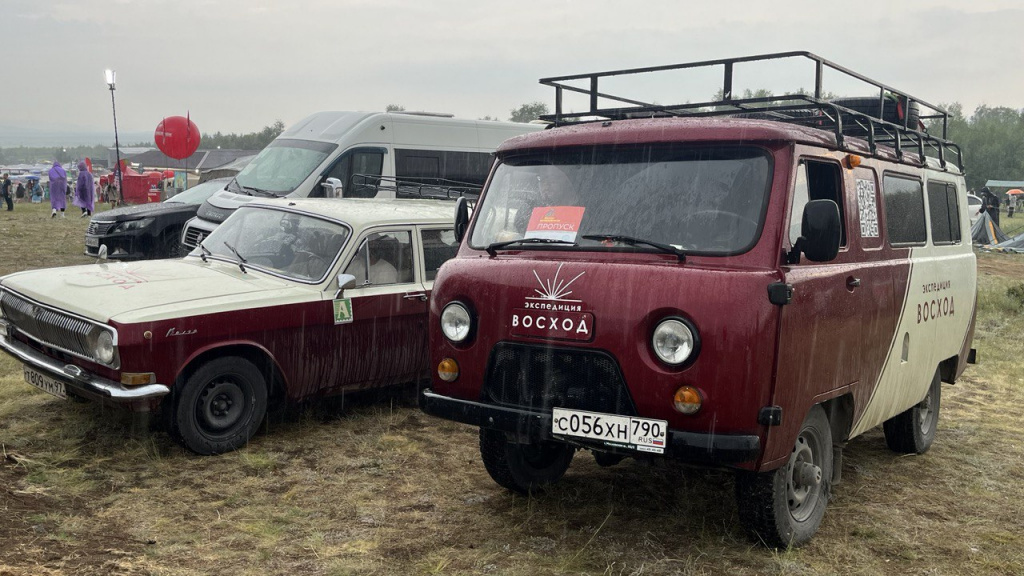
{"x": 5, "y": 190}
{"x": 58, "y": 189}
{"x": 85, "y": 190}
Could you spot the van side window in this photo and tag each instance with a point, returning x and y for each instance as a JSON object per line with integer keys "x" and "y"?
{"x": 426, "y": 166}
{"x": 816, "y": 181}
{"x": 944, "y": 210}
{"x": 904, "y": 210}
{"x": 358, "y": 171}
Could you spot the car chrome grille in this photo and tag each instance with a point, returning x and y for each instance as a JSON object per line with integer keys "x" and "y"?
{"x": 48, "y": 326}
{"x": 193, "y": 236}
{"x": 99, "y": 228}
{"x": 543, "y": 377}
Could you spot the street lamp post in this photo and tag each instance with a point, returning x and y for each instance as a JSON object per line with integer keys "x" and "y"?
{"x": 111, "y": 77}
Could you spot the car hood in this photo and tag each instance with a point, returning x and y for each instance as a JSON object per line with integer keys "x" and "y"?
{"x": 154, "y": 290}
{"x": 134, "y": 212}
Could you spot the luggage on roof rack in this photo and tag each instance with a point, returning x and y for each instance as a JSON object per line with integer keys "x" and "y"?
{"x": 893, "y": 118}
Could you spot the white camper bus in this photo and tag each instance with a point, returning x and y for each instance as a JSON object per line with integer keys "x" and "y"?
{"x": 360, "y": 155}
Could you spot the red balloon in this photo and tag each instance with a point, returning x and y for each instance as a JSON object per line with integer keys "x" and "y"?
{"x": 177, "y": 137}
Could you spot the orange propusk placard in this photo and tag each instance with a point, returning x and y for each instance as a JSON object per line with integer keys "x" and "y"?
{"x": 555, "y": 222}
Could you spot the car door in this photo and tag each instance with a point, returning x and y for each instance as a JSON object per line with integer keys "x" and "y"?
{"x": 384, "y": 325}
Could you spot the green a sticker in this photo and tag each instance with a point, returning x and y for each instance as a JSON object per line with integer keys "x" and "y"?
{"x": 342, "y": 310}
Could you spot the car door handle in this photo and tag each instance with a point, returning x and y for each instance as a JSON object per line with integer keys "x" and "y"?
{"x": 413, "y": 295}
{"x": 852, "y": 282}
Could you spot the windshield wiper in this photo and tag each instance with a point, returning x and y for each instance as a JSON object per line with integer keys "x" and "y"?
{"x": 204, "y": 251}
{"x": 666, "y": 248}
{"x": 492, "y": 248}
{"x": 250, "y": 190}
{"x": 241, "y": 260}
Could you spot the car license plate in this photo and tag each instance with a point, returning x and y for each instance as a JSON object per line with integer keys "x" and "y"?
{"x": 641, "y": 434}
{"x": 92, "y": 241}
{"x": 45, "y": 383}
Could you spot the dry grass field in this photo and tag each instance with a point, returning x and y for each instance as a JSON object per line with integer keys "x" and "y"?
{"x": 375, "y": 487}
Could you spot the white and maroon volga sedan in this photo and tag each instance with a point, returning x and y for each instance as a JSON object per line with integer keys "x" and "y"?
{"x": 286, "y": 300}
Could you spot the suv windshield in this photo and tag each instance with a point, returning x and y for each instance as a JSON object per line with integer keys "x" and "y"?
{"x": 283, "y": 165}
{"x": 287, "y": 243}
{"x": 704, "y": 200}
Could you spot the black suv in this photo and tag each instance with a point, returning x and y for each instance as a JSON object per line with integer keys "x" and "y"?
{"x": 144, "y": 231}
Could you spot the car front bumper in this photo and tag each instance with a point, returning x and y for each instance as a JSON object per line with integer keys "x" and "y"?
{"x": 77, "y": 379}
{"x": 692, "y": 447}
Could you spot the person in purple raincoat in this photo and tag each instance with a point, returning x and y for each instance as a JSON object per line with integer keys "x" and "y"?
{"x": 58, "y": 189}
{"x": 85, "y": 190}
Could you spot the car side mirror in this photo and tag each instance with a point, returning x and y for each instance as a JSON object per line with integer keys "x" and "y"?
{"x": 820, "y": 232}
{"x": 344, "y": 281}
{"x": 461, "y": 217}
{"x": 332, "y": 188}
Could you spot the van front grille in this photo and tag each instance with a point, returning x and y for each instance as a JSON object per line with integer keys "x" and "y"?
{"x": 193, "y": 236}
{"x": 543, "y": 377}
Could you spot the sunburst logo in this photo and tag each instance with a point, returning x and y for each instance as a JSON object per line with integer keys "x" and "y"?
{"x": 556, "y": 288}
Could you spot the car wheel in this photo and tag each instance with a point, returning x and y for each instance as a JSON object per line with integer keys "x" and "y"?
{"x": 784, "y": 507}
{"x": 220, "y": 406}
{"x": 913, "y": 431}
{"x": 171, "y": 246}
{"x": 523, "y": 468}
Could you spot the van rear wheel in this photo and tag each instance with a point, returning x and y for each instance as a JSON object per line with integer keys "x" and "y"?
{"x": 523, "y": 468}
{"x": 913, "y": 431}
{"x": 784, "y": 507}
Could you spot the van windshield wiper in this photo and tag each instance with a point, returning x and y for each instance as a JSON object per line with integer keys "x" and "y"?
{"x": 250, "y": 190}
{"x": 666, "y": 248}
{"x": 492, "y": 248}
{"x": 241, "y": 260}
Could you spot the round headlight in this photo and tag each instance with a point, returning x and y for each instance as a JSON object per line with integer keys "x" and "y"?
{"x": 673, "y": 341}
{"x": 105, "y": 347}
{"x": 455, "y": 322}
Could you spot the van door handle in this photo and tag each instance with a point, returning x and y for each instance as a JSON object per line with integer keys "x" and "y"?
{"x": 852, "y": 282}
{"x": 413, "y": 295}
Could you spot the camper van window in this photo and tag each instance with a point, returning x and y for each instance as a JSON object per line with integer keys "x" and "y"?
{"x": 702, "y": 200}
{"x": 904, "y": 210}
{"x": 426, "y": 166}
{"x": 283, "y": 165}
{"x": 357, "y": 170}
{"x": 816, "y": 181}
{"x": 945, "y": 213}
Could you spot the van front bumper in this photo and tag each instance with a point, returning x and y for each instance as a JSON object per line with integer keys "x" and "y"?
{"x": 687, "y": 446}
{"x": 78, "y": 380}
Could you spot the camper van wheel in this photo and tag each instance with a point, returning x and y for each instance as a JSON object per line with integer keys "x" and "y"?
{"x": 523, "y": 468}
{"x": 913, "y": 431}
{"x": 784, "y": 507}
{"x": 220, "y": 406}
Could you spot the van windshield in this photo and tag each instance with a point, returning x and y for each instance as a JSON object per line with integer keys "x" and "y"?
{"x": 283, "y": 165}
{"x": 701, "y": 200}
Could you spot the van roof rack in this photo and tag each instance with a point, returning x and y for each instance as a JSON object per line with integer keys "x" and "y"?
{"x": 425, "y": 188}
{"x": 807, "y": 109}
{"x": 423, "y": 113}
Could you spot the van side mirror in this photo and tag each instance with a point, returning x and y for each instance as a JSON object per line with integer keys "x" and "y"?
{"x": 344, "y": 281}
{"x": 820, "y": 232}
{"x": 461, "y": 217}
{"x": 332, "y": 188}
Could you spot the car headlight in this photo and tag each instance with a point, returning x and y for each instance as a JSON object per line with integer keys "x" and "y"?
{"x": 130, "y": 225}
{"x": 674, "y": 341}
{"x": 455, "y": 322}
{"x": 103, "y": 349}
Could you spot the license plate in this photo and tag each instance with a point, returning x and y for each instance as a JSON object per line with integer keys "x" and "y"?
{"x": 45, "y": 383}
{"x": 641, "y": 434}
{"x": 92, "y": 241}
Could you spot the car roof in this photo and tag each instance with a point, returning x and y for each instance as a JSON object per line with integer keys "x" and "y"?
{"x": 363, "y": 213}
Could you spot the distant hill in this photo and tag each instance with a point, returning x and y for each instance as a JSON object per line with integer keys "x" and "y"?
{"x": 14, "y": 136}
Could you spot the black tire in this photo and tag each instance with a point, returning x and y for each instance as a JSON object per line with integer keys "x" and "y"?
{"x": 523, "y": 468}
{"x": 220, "y": 406}
{"x": 892, "y": 111}
{"x": 171, "y": 246}
{"x": 784, "y": 508}
{"x": 913, "y": 431}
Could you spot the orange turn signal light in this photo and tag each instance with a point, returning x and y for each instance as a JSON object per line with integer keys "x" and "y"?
{"x": 852, "y": 160}
{"x": 448, "y": 370}
{"x": 687, "y": 400}
{"x": 137, "y": 378}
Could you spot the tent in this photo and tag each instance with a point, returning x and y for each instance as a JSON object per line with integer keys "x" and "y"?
{"x": 1015, "y": 244}
{"x": 985, "y": 231}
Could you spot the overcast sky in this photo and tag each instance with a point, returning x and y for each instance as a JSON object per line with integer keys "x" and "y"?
{"x": 239, "y": 65}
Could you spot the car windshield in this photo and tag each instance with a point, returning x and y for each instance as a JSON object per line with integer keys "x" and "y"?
{"x": 199, "y": 193}
{"x": 283, "y": 165}
{"x": 703, "y": 200}
{"x": 282, "y": 242}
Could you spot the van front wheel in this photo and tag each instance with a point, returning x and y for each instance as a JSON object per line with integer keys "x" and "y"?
{"x": 784, "y": 507}
{"x": 913, "y": 431}
{"x": 523, "y": 468}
